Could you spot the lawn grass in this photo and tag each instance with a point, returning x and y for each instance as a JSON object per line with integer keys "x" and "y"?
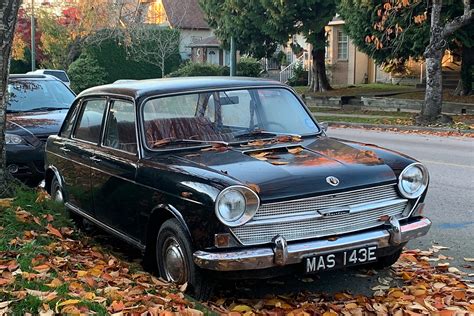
{"x": 23, "y": 239}
{"x": 48, "y": 265}
{"x": 355, "y": 90}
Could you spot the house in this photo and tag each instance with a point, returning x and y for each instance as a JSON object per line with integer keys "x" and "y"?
{"x": 209, "y": 50}
{"x": 184, "y": 15}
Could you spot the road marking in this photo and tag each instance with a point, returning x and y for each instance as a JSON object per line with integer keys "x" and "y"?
{"x": 448, "y": 164}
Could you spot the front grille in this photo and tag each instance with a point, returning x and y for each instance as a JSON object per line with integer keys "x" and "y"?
{"x": 255, "y": 233}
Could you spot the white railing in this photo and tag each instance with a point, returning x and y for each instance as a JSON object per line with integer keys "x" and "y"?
{"x": 288, "y": 72}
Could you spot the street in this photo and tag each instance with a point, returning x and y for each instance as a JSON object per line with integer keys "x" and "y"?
{"x": 449, "y": 204}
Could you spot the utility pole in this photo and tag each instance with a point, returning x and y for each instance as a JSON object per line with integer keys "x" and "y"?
{"x": 233, "y": 58}
{"x": 33, "y": 34}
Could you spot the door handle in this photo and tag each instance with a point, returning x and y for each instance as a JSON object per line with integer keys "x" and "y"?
{"x": 64, "y": 149}
{"x": 95, "y": 159}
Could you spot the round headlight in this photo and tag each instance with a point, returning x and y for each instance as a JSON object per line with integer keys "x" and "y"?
{"x": 13, "y": 139}
{"x": 236, "y": 205}
{"x": 413, "y": 181}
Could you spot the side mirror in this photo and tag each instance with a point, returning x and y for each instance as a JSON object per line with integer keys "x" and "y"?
{"x": 324, "y": 126}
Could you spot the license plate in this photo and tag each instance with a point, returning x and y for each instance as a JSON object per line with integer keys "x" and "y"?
{"x": 340, "y": 259}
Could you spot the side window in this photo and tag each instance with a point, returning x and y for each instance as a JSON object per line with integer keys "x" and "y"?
{"x": 70, "y": 119}
{"x": 90, "y": 121}
{"x": 120, "y": 130}
{"x": 236, "y": 108}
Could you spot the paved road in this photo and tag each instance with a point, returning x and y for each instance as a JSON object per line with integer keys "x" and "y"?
{"x": 450, "y": 204}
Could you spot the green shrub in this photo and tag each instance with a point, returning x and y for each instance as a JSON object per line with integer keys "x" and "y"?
{"x": 249, "y": 67}
{"x": 119, "y": 63}
{"x": 300, "y": 76}
{"x": 85, "y": 72}
{"x": 197, "y": 69}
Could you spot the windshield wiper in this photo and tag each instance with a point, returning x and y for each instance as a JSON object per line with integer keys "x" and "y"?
{"x": 257, "y": 132}
{"x": 169, "y": 141}
{"x": 47, "y": 108}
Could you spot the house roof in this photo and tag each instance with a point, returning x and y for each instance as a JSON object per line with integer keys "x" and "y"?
{"x": 185, "y": 14}
{"x": 211, "y": 41}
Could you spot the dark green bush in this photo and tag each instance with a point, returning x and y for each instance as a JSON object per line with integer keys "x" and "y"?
{"x": 197, "y": 69}
{"x": 119, "y": 63}
{"x": 85, "y": 72}
{"x": 249, "y": 67}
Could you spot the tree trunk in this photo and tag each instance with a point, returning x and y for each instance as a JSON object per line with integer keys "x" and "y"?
{"x": 320, "y": 79}
{"x": 431, "y": 110}
{"x": 8, "y": 16}
{"x": 432, "y": 106}
{"x": 162, "y": 67}
{"x": 467, "y": 69}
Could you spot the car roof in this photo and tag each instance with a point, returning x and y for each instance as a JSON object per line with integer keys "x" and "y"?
{"x": 32, "y": 76}
{"x": 154, "y": 87}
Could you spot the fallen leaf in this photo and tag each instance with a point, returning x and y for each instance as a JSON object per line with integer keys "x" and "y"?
{"x": 278, "y": 163}
{"x": 295, "y": 150}
{"x": 469, "y": 259}
{"x": 242, "y": 308}
{"x": 54, "y": 231}
{"x": 254, "y": 187}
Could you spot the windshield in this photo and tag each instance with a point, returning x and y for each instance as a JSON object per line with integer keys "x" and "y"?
{"x": 228, "y": 116}
{"x": 30, "y": 95}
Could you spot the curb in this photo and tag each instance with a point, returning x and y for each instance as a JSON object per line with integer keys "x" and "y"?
{"x": 400, "y": 127}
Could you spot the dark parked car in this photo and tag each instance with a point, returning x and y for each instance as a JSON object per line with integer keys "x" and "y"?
{"x": 36, "y": 108}
{"x": 233, "y": 177}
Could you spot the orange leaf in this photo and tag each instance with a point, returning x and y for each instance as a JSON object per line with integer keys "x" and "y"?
{"x": 254, "y": 187}
{"x": 54, "y": 231}
{"x": 116, "y": 306}
{"x": 43, "y": 268}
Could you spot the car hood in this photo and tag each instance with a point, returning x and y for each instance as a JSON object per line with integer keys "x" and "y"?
{"x": 36, "y": 123}
{"x": 282, "y": 170}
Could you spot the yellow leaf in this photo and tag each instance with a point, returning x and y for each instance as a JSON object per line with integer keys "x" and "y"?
{"x": 68, "y": 302}
{"x": 330, "y": 314}
{"x": 55, "y": 283}
{"x": 242, "y": 308}
{"x": 81, "y": 274}
{"x": 6, "y": 202}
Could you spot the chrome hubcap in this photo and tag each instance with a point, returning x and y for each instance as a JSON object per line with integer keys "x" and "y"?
{"x": 58, "y": 194}
{"x": 174, "y": 261}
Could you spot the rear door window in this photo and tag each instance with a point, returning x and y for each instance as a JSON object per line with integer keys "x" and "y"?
{"x": 120, "y": 130}
{"x": 90, "y": 121}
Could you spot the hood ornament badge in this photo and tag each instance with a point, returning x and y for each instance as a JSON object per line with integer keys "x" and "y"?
{"x": 332, "y": 181}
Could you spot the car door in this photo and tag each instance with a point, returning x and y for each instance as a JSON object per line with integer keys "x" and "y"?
{"x": 113, "y": 171}
{"x": 80, "y": 149}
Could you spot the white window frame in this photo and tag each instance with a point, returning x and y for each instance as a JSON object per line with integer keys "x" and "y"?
{"x": 342, "y": 41}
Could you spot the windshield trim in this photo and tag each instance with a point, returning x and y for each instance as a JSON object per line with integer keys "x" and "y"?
{"x": 236, "y": 88}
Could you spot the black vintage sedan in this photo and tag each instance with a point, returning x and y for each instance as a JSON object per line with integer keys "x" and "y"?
{"x": 36, "y": 108}
{"x": 231, "y": 177}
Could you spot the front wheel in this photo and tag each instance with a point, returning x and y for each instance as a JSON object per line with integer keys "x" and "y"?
{"x": 174, "y": 259}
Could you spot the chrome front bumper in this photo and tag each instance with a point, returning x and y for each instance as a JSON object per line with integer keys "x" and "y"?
{"x": 285, "y": 254}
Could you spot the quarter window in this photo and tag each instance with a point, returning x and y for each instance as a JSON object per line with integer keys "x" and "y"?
{"x": 120, "y": 129}
{"x": 90, "y": 121}
{"x": 342, "y": 45}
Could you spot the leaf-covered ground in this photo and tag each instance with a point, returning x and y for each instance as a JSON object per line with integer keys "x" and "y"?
{"x": 47, "y": 268}
{"x": 423, "y": 283}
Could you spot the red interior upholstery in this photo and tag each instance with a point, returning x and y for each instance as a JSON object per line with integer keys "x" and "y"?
{"x": 181, "y": 128}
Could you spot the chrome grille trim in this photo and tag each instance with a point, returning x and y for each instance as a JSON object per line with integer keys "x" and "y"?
{"x": 366, "y": 207}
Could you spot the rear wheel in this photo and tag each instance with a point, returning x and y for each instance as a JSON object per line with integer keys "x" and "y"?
{"x": 57, "y": 194}
{"x": 175, "y": 263}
